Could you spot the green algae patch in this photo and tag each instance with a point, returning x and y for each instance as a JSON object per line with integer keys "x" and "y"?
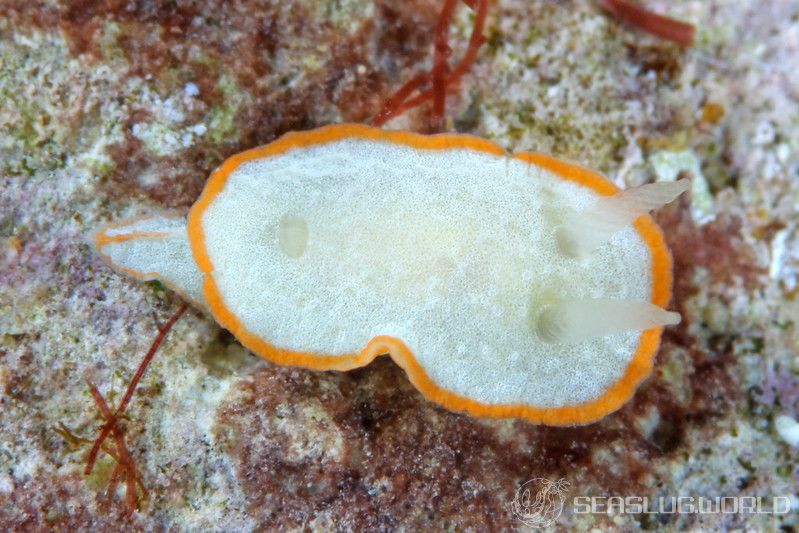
{"x": 221, "y": 120}
{"x": 564, "y": 104}
{"x": 54, "y": 110}
{"x": 159, "y": 138}
{"x": 101, "y": 475}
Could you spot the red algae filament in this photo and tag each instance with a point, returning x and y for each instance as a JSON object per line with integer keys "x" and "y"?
{"x": 125, "y": 461}
{"x": 663, "y": 27}
{"x": 440, "y": 76}
{"x": 440, "y": 65}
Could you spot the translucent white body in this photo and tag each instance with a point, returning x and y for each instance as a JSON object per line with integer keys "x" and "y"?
{"x": 454, "y": 252}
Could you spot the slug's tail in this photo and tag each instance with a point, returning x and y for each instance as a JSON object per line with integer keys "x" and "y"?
{"x": 153, "y": 248}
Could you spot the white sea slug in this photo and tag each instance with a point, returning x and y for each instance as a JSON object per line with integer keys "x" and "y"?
{"x": 505, "y": 286}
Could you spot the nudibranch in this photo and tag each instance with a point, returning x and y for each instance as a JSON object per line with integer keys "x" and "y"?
{"x": 505, "y": 286}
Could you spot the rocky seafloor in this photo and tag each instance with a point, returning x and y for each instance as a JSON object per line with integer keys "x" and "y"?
{"x": 117, "y": 108}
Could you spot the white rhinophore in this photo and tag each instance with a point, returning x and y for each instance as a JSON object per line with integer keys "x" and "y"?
{"x": 574, "y": 321}
{"x": 584, "y": 232}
